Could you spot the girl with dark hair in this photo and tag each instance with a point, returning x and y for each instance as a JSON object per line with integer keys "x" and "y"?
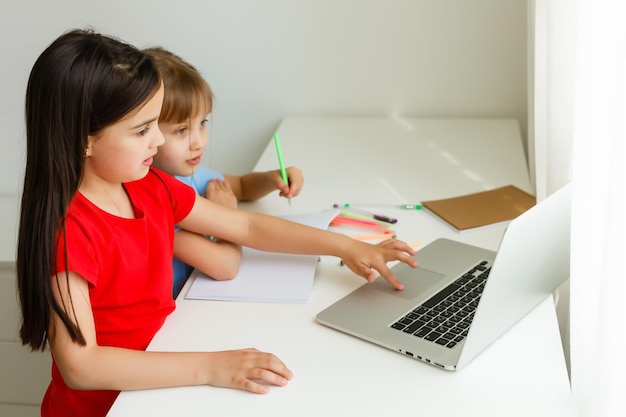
{"x": 96, "y": 234}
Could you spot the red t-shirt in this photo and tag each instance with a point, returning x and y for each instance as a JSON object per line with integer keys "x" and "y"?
{"x": 128, "y": 265}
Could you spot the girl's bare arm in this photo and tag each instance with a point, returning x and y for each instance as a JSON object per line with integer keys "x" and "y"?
{"x": 255, "y": 185}
{"x": 273, "y": 234}
{"x": 94, "y": 367}
{"x": 220, "y": 260}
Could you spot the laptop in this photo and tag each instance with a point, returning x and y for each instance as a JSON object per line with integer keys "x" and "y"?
{"x": 461, "y": 297}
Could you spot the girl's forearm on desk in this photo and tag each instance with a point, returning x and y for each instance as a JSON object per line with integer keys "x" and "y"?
{"x": 109, "y": 368}
{"x": 87, "y": 366}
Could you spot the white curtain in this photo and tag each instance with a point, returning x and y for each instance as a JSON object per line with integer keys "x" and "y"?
{"x": 598, "y": 344}
{"x": 591, "y": 81}
{"x": 551, "y": 73}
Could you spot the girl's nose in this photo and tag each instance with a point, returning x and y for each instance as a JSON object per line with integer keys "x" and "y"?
{"x": 158, "y": 138}
{"x": 196, "y": 139}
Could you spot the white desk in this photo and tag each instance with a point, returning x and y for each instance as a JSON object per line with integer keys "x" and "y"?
{"x": 371, "y": 161}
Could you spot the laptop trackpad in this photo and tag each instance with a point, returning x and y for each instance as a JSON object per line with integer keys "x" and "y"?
{"x": 416, "y": 281}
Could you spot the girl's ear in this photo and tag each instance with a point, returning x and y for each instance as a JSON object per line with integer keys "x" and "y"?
{"x": 88, "y": 146}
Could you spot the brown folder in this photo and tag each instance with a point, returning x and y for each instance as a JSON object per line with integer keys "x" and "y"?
{"x": 482, "y": 208}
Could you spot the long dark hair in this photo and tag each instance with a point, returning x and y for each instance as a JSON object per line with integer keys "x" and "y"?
{"x": 82, "y": 83}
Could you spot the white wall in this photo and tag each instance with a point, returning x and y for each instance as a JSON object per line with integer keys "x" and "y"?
{"x": 267, "y": 59}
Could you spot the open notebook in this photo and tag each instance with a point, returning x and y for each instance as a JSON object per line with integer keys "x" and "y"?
{"x": 266, "y": 276}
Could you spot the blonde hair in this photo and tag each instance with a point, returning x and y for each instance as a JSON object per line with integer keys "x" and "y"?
{"x": 187, "y": 94}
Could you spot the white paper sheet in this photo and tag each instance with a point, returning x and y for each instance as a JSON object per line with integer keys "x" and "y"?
{"x": 265, "y": 276}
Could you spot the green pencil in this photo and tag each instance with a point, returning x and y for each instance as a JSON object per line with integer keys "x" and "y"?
{"x": 283, "y": 171}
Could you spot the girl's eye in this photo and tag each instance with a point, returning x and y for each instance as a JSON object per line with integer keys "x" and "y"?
{"x": 144, "y": 131}
{"x": 204, "y": 122}
{"x": 181, "y": 131}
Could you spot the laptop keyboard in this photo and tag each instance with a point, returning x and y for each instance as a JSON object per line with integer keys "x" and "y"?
{"x": 445, "y": 317}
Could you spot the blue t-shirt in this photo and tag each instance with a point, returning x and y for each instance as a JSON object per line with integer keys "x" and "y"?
{"x": 199, "y": 180}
